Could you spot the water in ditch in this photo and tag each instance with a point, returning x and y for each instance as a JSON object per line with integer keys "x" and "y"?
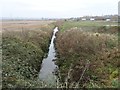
{"x": 48, "y": 65}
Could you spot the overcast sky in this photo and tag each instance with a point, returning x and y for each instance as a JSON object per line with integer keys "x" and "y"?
{"x": 56, "y": 8}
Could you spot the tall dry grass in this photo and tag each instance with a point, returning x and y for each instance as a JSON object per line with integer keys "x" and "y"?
{"x": 78, "y": 47}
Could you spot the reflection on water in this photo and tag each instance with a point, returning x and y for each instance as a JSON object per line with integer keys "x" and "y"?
{"x": 48, "y": 66}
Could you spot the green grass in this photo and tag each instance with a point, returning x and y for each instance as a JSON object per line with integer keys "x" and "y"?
{"x": 71, "y": 24}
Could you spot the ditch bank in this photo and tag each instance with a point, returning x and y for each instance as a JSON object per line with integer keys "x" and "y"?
{"x": 22, "y": 55}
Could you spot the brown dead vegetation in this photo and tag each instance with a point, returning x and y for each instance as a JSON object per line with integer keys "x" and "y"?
{"x": 99, "y": 50}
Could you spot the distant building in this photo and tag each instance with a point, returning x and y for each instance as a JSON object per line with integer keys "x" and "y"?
{"x": 83, "y": 19}
{"x": 92, "y": 19}
{"x": 108, "y": 19}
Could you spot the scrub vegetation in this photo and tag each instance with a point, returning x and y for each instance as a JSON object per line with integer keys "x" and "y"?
{"x": 87, "y": 54}
{"x": 24, "y": 44}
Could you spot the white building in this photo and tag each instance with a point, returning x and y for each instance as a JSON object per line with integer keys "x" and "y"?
{"x": 83, "y": 19}
{"x": 92, "y": 19}
{"x": 107, "y": 19}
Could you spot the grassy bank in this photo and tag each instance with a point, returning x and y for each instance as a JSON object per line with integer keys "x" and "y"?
{"x": 24, "y": 44}
{"x": 88, "y": 55}
{"x": 65, "y": 25}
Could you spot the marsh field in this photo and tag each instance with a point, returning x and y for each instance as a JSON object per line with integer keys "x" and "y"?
{"x": 86, "y": 53}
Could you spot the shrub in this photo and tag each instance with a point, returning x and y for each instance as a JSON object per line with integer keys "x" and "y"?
{"x": 22, "y": 54}
{"x": 77, "y": 47}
